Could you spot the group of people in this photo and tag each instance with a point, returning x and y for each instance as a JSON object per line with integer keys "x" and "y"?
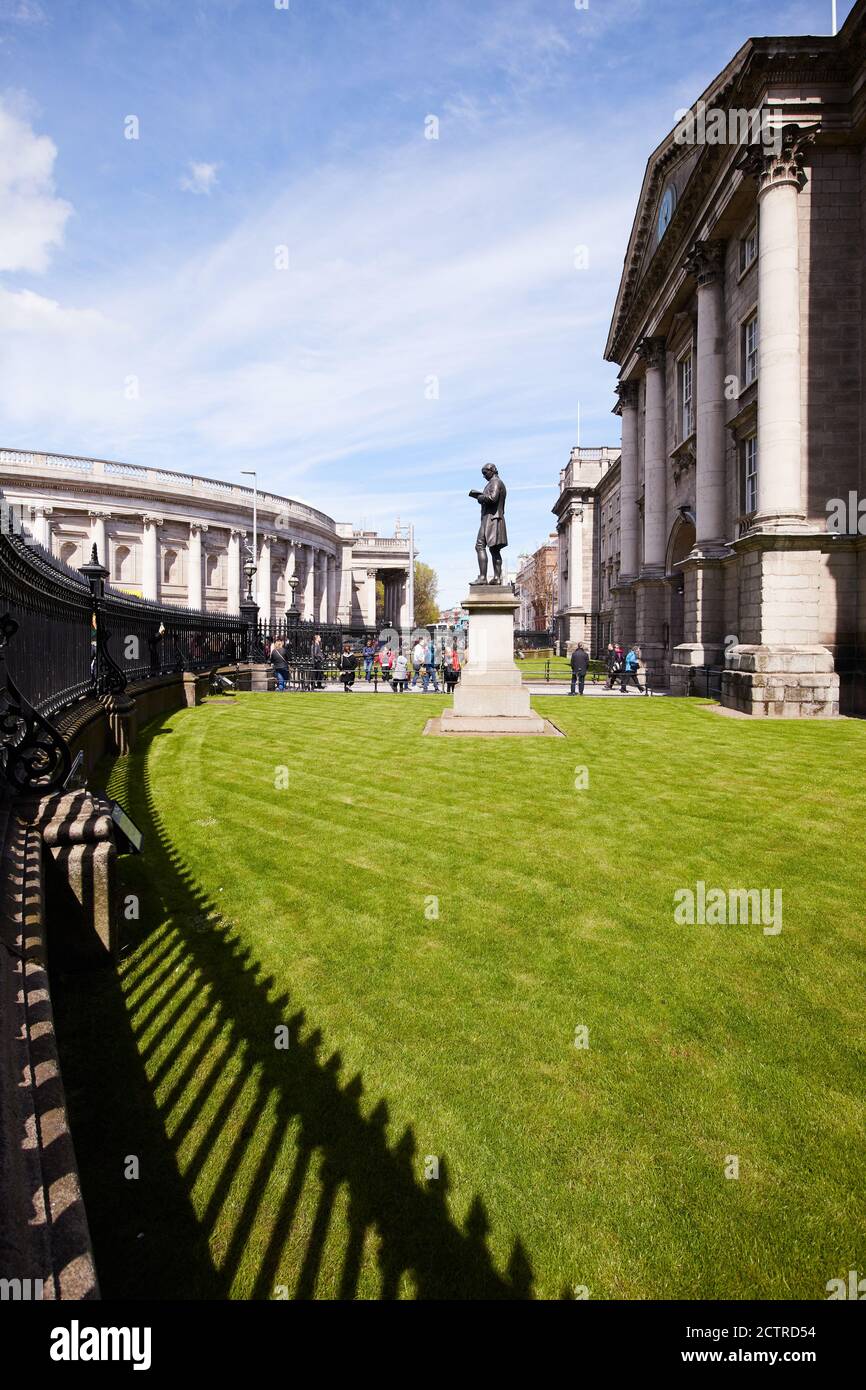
{"x": 621, "y": 666}
{"x": 380, "y": 662}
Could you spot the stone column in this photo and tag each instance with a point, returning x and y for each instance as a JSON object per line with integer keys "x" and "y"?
{"x": 97, "y": 535}
{"x": 150, "y": 548}
{"x": 233, "y": 582}
{"x": 194, "y": 583}
{"x": 42, "y": 525}
{"x": 263, "y": 577}
{"x": 652, "y": 350}
{"x": 309, "y": 583}
{"x": 370, "y": 600}
{"x": 405, "y": 616}
{"x": 575, "y": 557}
{"x": 651, "y": 590}
{"x": 706, "y": 263}
{"x": 628, "y": 488}
{"x": 322, "y": 586}
{"x": 629, "y": 519}
{"x": 344, "y": 611}
{"x": 780, "y": 178}
{"x": 331, "y": 615}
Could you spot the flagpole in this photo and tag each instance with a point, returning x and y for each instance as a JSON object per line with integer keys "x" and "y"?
{"x": 834, "y": 17}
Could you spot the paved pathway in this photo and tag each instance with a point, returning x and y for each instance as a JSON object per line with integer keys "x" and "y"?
{"x": 599, "y": 691}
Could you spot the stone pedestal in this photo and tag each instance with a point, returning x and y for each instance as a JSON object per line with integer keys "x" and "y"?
{"x": 490, "y": 698}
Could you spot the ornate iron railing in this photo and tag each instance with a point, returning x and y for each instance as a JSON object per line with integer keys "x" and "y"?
{"x": 54, "y": 659}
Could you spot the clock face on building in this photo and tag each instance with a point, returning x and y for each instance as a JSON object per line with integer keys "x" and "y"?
{"x": 666, "y": 209}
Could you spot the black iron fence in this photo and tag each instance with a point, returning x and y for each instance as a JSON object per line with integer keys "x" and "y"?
{"x": 63, "y": 634}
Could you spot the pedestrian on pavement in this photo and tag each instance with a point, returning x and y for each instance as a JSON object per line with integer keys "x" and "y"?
{"x": 630, "y": 669}
{"x": 430, "y": 667}
{"x": 318, "y": 660}
{"x": 347, "y": 668}
{"x": 579, "y": 667}
{"x": 279, "y": 663}
{"x": 368, "y": 654}
{"x": 419, "y": 656}
{"x": 401, "y": 674}
{"x": 452, "y": 669}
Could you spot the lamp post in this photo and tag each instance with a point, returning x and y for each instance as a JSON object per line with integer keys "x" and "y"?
{"x": 251, "y": 473}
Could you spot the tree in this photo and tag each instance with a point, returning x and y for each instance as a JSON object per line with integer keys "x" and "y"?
{"x": 542, "y": 591}
{"x": 426, "y": 589}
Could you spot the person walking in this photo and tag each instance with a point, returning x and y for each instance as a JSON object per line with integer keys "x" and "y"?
{"x": 347, "y": 668}
{"x": 611, "y": 661}
{"x": 630, "y": 669}
{"x": 430, "y": 667}
{"x": 386, "y": 663}
{"x": 419, "y": 656}
{"x": 368, "y": 654}
{"x": 401, "y": 674}
{"x": 579, "y": 667}
{"x": 279, "y": 663}
{"x": 452, "y": 670}
{"x": 318, "y": 660}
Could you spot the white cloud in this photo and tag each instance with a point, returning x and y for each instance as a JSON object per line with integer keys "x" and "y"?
{"x": 201, "y": 178}
{"x": 33, "y": 218}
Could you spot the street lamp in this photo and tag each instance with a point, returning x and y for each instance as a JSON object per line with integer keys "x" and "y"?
{"x": 251, "y": 473}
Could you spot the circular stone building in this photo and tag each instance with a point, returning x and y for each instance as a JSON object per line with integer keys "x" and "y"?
{"x": 181, "y": 539}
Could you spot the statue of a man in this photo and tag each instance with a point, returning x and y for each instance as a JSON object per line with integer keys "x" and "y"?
{"x": 492, "y": 534}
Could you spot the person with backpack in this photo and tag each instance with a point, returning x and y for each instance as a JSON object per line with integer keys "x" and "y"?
{"x": 579, "y": 667}
{"x": 630, "y": 669}
{"x": 452, "y": 670}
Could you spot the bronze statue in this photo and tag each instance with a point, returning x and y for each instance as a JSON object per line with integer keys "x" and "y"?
{"x": 492, "y": 534}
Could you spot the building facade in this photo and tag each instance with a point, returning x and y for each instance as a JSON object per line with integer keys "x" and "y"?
{"x": 184, "y": 539}
{"x": 587, "y": 539}
{"x": 536, "y": 584}
{"x": 739, "y": 332}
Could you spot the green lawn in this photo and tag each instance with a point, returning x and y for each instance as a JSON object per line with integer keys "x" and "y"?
{"x": 415, "y": 1036}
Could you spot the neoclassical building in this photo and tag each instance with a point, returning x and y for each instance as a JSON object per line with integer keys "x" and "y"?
{"x": 587, "y": 525}
{"x": 182, "y": 539}
{"x": 739, "y": 332}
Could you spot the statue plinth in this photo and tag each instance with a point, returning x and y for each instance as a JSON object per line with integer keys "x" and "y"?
{"x": 490, "y": 697}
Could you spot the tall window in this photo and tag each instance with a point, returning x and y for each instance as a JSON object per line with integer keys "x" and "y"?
{"x": 750, "y": 475}
{"x": 749, "y": 250}
{"x": 750, "y": 349}
{"x": 687, "y": 408}
{"x": 170, "y": 567}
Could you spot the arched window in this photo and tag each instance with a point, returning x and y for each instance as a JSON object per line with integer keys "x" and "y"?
{"x": 69, "y": 552}
{"x": 122, "y": 563}
{"x": 170, "y": 567}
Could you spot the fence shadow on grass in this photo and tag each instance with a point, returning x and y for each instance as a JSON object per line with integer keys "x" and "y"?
{"x": 205, "y": 1020}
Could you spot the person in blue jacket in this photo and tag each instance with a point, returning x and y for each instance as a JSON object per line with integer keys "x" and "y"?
{"x": 630, "y": 670}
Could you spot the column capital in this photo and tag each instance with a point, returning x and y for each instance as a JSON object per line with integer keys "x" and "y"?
{"x": 775, "y": 167}
{"x": 44, "y": 509}
{"x": 151, "y": 519}
{"x": 197, "y": 526}
{"x": 627, "y": 391}
{"x": 706, "y": 261}
{"x": 267, "y": 537}
{"x": 235, "y": 532}
{"x": 652, "y": 352}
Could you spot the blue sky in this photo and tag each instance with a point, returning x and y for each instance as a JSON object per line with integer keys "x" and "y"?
{"x": 146, "y": 314}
